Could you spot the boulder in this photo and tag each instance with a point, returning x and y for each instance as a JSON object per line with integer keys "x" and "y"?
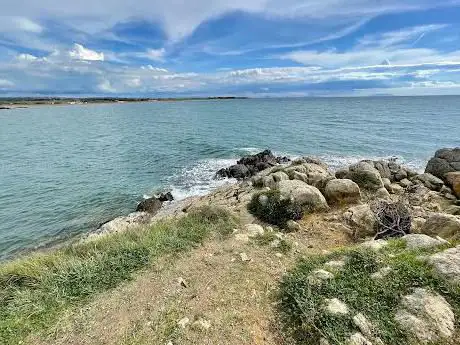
{"x": 362, "y": 219}
{"x": 365, "y": 175}
{"x": 300, "y": 176}
{"x": 447, "y": 264}
{"x": 165, "y": 197}
{"x": 254, "y": 230}
{"x": 396, "y": 189}
{"x": 400, "y": 175}
{"x": 405, "y": 183}
{"x": 453, "y": 180}
{"x": 342, "y": 173}
{"x": 426, "y": 316}
{"x": 315, "y": 160}
{"x": 124, "y": 223}
{"x": 382, "y": 193}
{"x": 150, "y": 205}
{"x": 417, "y": 241}
{"x": 441, "y": 224}
{"x": 280, "y": 176}
{"x": 342, "y": 191}
{"x": 429, "y": 181}
{"x": 383, "y": 169}
{"x": 309, "y": 197}
{"x": 250, "y": 165}
{"x": 444, "y": 161}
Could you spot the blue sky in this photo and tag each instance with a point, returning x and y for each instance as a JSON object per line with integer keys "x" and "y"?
{"x": 257, "y": 48}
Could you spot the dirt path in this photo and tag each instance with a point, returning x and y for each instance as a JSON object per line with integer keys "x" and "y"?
{"x": 226, "y": 300}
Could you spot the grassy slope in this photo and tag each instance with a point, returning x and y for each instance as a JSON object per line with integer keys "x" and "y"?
{"x": 35, "y": 290}
{"x": 301, "y": 305}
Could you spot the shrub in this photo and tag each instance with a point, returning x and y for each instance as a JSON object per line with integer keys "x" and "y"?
{"x": 270, "y": 207}
{"x": 301, "y": 300}
{"x": 393, "y": 219}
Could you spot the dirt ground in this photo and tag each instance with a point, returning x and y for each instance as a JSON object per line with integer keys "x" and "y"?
{"x": 216, "y": 296}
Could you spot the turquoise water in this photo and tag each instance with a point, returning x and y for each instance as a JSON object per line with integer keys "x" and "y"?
{"x": 66, "y": 169}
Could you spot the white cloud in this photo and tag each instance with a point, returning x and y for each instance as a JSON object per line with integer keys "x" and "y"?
{"x": 180, "y": 18}
{"x": 6, "y": 83}
{"x": 106, "y": 87}
{"x": 156, "y": 54}
{"x": 28, "y": 25}
{"x": 81, "y": 53}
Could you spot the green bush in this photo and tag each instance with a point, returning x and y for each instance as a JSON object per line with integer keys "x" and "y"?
{"x": 301, "y": 300}
{"x": 270, "y": 207}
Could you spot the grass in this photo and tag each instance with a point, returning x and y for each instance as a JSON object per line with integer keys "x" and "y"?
{"x": 268, "y": 238}
{"x": 34, "y": 290}
{"x": 301, "y": 302}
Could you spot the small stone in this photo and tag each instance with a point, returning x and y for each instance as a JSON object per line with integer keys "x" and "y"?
{"x": 181, "y": 281}
{"x": 275, "y": 243}
{"x": 269, "y": 229}
{"x": 254, "y": 230}
{"x": 244, "y": 238}
{"x": 375, "y": 244}
{"x": 278, "y": 255}
{"x": 244, "y": 257}
{"x": 381, "y": 273}
{"x": 358, "y": 339}
{"x": 203, "y": 324}
{"x": 183, "y": 322}
{"x": 364, "y": 325}
{"x": 337, "y": 265}
{"x": 447, "y": 264}
{"x": 397, "y": 189}
{"x": 335, "y": 306}
{"x": 293, "y": 226}
{"x": 405, "y": 183}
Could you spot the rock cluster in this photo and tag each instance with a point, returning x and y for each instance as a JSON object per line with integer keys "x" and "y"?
{"x": 445, "y": 165}
{"x": 250, "y": 165}
{"x": 153, "y": 204}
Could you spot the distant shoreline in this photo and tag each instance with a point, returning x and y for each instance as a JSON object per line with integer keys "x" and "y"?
{"x": 12, "y": 103}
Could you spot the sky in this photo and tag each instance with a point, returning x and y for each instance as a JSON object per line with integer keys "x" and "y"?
{"x": 254, "y": 48}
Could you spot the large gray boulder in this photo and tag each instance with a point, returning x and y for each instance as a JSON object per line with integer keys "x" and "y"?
{"x": 441, "y": 224}
{"x": 342, "y": 191}
{"x": 417, "y": 241}
{"x": 453, "y": 180}
{"x": 429, "y": 181}
{"x": 447, "y": 264}
{"x": 365, "y": 175}
{"x": 426, "y": 317}
{"x": 444, "y": 161}
{"x": 150, "y": 205}
{"x": 309, "y": 197}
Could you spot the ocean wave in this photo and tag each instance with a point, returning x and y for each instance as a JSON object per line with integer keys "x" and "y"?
{"x": 198, "y": 179}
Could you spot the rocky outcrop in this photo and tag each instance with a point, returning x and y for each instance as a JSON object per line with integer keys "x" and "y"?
{"x": 426, "y": 316}
{"x": 362, "y": 219}
{"x": 429, "y": 181}
{"x": 342, "y": 191}
{"x": 444, "y": 161}
{"x": 309, "y": 197}
{"x": 250, "y": 165}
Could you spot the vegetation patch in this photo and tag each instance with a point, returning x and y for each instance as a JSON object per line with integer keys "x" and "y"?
{"x": 270, "y": 207}
{"x": 270, "y": 239}
{"x": 356, "y": 284}
{"x": 35, "y": 289}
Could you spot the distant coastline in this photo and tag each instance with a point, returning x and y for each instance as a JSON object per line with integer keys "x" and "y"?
{"x": 23, "y": 102}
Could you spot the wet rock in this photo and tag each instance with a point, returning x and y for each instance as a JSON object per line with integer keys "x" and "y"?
{"x": 447, "y": 264}
{"x": 426, "y": 317}
{"x": 150, "y": 205}
{"x": 342, "y": 191}
{"x": 163, "y": 197}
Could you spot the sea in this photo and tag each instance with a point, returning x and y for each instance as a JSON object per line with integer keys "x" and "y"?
{"x": 64, "y": 170}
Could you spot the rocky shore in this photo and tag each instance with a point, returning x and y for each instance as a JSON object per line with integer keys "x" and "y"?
{"x": 346, "y": 197}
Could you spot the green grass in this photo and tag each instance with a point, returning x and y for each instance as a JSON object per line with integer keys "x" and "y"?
{"x": 34, "y": 290}
{"x": 267, "y": 239}
{"x": 301, "y": 303}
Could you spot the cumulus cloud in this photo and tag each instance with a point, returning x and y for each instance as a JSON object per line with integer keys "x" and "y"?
{"x": 6, "y": 83}
{"x": 81, "y": 53}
